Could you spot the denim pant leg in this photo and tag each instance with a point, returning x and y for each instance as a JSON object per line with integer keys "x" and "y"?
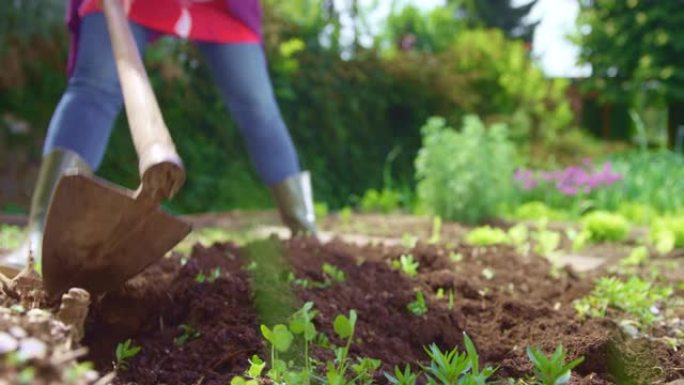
{"x": 242, "y": 77}
{"x": 85, "y": 115}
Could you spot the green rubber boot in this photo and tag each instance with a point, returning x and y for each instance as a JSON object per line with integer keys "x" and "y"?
{"x": 294, "y": 198}
{"x": 53, "y": 166}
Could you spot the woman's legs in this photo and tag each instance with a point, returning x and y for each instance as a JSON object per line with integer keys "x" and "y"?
{"x": 242, "y": 77}
{"x": 85, "y": 115}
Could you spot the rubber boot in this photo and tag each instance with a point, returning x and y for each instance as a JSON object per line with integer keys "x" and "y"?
{"x": 53, "y": 166}
{"x": 294, "y": 199}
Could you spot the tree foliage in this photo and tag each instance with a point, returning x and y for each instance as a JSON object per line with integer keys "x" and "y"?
{"x": 501, "y": 14}
{"x": 634, "y": 47}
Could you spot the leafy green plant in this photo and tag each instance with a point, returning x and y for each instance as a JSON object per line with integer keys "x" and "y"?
{"x": 487, "y": 236}
{"x": 450, "y": 367}
{"x": 418, "y": 306}
{"x": 211, "y": 278}
{"x": 333, "y": 273}
{"x": 604, "y": 226}
{"x": 125, "y": 351}
{"x": 253, "y": 373}
{"x": 407, "y": 265}
{"x": 635, "y": 297}
{"x": 405, "y": 377}
{"x": 280, "y": 339}
{"x": 552, "y": 370}
{"x": 188, "y": 334}
{"x": 467, "y": 175}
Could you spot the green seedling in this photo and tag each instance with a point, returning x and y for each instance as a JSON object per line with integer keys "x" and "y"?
{"x": 455, "y": 257}
{"x": 445, "y": 368}
{"x": 407, "y": 264}
{"x": 638, "y": 257}
{"x": 436, "y": 230}
{"x": 552, "y": 370}
{"x": 333, "y": 273}
{"x": 475, "y": 377}
{"x": 488, "y": 273}
{"x": 253, "y": 373}
{"x": 211, "y": 278}
{"x": 301, "y": 323}
{"x": 125, "y": 351}
{"x": 189, "y": 334}
{"x": 409, "y": 241}
{"x": 406, "y": 377}
{"x": 418, "y": 306}
{"x": 635, "y": 297}
{"x": 280, "y": 339}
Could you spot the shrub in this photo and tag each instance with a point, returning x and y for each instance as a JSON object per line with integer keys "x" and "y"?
{"x": 603, "y": 226}
{"x": 383, "y": 201}
{"x": 467, "y": 175}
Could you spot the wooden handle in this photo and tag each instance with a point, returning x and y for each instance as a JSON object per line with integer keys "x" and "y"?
{"x": 161, "y": 169}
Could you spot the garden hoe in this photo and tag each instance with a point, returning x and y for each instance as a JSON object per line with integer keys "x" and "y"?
{"x": 98, "y": 235}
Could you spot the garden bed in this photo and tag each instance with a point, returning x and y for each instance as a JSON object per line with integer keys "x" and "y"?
{"x": 503, "y": 301}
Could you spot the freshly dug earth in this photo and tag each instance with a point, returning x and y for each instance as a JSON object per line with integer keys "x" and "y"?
{"x": 514, "y": 304}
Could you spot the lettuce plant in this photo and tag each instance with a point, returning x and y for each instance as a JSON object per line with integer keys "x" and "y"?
{"x": 486, "y": 236}
{"x": 603, "y": 226}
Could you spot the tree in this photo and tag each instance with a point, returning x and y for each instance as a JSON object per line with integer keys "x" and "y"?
{"x": 500, "y": 14}
{"x": 634, "y": 47}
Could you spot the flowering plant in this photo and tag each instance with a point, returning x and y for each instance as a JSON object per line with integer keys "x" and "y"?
{"x": 570, "y": 181}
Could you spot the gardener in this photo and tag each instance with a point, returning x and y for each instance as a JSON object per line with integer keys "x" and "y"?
{"x": 228, "y": 33}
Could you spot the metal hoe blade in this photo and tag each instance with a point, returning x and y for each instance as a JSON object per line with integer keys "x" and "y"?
{"x": 97, "y": 235}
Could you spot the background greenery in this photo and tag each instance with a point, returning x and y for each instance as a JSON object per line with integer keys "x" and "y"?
{"x": 355, "y": 110}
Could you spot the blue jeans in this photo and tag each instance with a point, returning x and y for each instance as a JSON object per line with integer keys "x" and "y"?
{"x": 84, "y": 117}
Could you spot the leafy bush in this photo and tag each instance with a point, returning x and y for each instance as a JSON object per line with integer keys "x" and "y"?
{"x": 465, "y": 176}
{"x": 602, "y": 226}
{"x": 486, "y": 236}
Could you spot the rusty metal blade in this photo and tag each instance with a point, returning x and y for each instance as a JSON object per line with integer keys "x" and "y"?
{"x": 97, "y": 235}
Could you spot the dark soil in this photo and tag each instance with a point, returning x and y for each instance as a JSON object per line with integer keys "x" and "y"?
{"x": 520, "y": 305}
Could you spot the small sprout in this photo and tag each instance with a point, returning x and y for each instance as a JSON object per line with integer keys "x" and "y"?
{"x": 189, "y": 333}
{"x": 638, "y": 257}
{"x": 407, "y": 264}
{"x": 451, "y": 300}
{"x": 409, "y": 241}
{"x": 455, "y": 257}
{"x": 124, "y": 351}
{"x": 552, "y": 370}
{"x": 419, "y": 306}
{"x": 488, "y": 273}
{"x": 440, "y": 293}
{"x": 333, "y": 273}
{"x": 436, "y": 230}
{"x": 280, "y": 337}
